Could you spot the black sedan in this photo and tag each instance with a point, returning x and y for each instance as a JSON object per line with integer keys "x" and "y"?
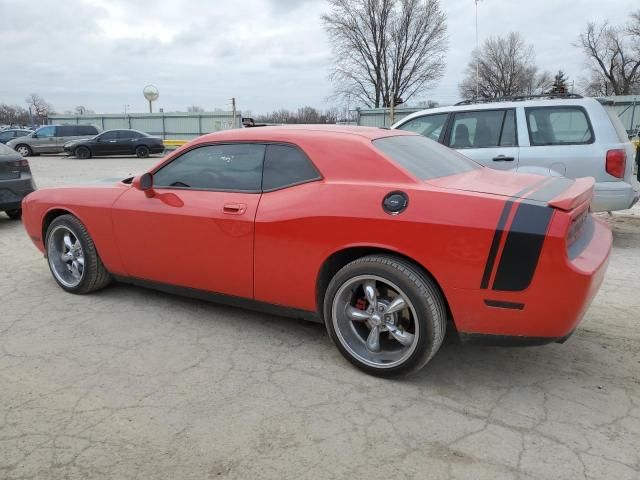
{"x": 115, "y": 142}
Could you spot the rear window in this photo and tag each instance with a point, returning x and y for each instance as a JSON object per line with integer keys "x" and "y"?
{"x": 558, "y": 126}
{"x": 623, "y": 137}
{"x": 424, "y": 158}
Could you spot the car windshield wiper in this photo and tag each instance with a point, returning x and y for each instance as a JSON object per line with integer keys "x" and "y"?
{"x": 179, "y": 184}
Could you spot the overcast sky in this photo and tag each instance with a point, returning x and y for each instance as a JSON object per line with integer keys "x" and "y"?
{"x": 269, "y": 54}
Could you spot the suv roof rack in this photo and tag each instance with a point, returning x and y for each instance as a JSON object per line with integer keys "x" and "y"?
{"x": 520, "y": 98}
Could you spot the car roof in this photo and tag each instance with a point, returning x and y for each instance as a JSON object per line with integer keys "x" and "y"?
{"x": 499, "y": 105}
{"x": 293, "y": 132}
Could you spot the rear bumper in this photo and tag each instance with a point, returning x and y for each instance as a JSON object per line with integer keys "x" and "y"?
{"x": 553, "y": 305}
{"x": 13, "y": 191}
{"x": 610, "y": 196}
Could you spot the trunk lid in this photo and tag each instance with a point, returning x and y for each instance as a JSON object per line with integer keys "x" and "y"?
{"x": 557, "y": 192}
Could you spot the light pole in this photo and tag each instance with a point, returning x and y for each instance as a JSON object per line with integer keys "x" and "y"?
{"x": 477, "y": 55}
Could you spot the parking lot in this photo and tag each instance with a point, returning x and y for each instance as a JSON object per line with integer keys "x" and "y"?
{"x": 132, "y": 383}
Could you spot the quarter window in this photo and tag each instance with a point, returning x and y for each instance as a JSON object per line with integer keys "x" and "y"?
{"x": 562, "y": 125}
{"x": 430, "y": 125}
{"x": 233, "y": 167}
{"x": 483, "y": 129}
{"x": 284, "y": 166}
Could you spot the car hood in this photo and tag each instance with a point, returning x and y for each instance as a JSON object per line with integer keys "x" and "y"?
{"x": 560, "y": 192}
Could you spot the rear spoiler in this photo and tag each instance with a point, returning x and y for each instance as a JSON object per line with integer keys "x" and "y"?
{"x": 579, "y": 192}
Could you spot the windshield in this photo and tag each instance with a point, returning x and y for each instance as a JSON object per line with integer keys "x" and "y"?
{"x": 424, "y": 158}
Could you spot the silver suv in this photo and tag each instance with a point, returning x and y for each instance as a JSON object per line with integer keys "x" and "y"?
{"x": 573, "y": 137}
{"x": 51, "y": 138}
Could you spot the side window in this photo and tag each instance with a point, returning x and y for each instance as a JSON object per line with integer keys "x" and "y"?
{"x": 6, "y": 135}
{"x": 558, "y": 126}
{"x": 127, "y": 134}
{"x": 235, "y": 167}
{"x": 430, "y": 125}
{"x": 66, "y": 131}
{"x": 285, "y": 166}
{"x": 111, "y": 135}
{"x": 480, "y": 129}
{"x": 87, "y": 130}
{"x": 49, "y": 131}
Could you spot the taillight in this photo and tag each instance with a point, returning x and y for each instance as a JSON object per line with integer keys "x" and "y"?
{"x": 616, "y": 162}
{"x": 20, "y": 163}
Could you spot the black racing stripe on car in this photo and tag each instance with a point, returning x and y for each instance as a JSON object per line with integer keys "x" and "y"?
{"x": 522, "y": 248}
{"x": 551, "y": 190}
{"x": 497, "y": 235}
{"x": 503, "y": 304}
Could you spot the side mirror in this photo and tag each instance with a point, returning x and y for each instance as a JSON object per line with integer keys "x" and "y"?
{"x": 144, "y": 183}
{"x": 34, "y": 135}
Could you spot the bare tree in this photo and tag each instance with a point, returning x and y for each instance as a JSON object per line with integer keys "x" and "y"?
{"x": 506, "y": 67}
{"x": 613, "y": 56}
{"x": 386, "y": 50}
{"x": 13, "y": 115}
{"x": 38, "y": 107}
{"x": 195, "y": 109}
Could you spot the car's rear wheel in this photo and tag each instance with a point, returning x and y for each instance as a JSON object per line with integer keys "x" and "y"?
{"x": 73, "y": 258}
{"x": 83, "y": 153}
{"x": 15, "y": 214}
{"x": 385, "y": 315}
{"x": 24, "y": 150}
{"x": 142, "y": 151}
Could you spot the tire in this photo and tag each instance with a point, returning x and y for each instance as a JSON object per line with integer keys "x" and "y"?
{"x": 93, "y": 276}
{"x": 419, "y": 327}
{"x": 142, "y": 151}
{"x": 82, "y": 153}
{"x": 15, "y": 214}
{"x": 24, "y": 150}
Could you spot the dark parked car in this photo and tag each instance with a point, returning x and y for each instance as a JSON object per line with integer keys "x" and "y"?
{"x": 16, "y": 181}
{"x": 11, "y": 133}
{"x": 116, "y": 142}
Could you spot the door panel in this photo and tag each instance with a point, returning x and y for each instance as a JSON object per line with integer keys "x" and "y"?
{"x": 188, "y": 238}
{"x": 46, "y": 142}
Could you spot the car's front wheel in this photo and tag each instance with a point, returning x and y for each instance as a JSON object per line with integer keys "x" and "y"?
{"x": 15, "y": 214}
{"x": 142, "y": 151}
{"x": 83, "y": 153}
{"x": 385, "y": 316}
{"x": 73, "y": 258}
{"x": 24, "y": 150}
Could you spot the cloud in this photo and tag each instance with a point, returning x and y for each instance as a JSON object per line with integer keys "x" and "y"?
{"x": 267, "y": 53}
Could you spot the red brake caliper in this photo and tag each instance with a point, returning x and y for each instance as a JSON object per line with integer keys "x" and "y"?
{"x": 361, "y": 303}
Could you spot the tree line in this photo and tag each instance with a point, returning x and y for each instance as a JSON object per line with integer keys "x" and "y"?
{"x": 389, "y": 51}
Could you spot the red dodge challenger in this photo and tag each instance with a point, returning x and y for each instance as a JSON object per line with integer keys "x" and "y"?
{"x": 387, "y": 237}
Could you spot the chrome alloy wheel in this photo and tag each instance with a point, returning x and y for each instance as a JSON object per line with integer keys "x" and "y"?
{"x": 66, "y": 256}
{"x": 375, "y": 321}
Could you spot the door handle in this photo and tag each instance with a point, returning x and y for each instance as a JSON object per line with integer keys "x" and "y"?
{"x": 234, "y": 208}
{"x": 112, "y": 141}
{"x": 503, "y": 158}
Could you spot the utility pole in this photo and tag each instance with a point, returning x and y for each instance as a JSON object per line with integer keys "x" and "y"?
{"x": 392, "y": 111}
{"x": 233, "y": 109}
{"x": 478, "y": 56}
